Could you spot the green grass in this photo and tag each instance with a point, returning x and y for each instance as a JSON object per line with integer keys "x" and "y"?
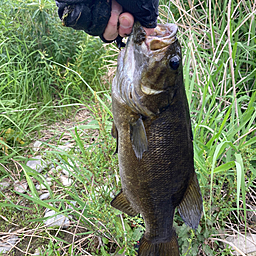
{"x": 47, "y": 76}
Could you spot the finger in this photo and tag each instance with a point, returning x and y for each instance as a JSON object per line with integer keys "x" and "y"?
{"x": 149, "y": 31}
{"x": 126, "y": 21}
{"x": 111, "y": 31}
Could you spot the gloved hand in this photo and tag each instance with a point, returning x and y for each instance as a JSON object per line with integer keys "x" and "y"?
{"x": 92, "y": 16}
{"x": 89, "y": 15}
{"x": 145, "y": 11}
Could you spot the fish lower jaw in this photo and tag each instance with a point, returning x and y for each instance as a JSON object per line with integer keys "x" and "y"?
{"x": 148, "y": 91}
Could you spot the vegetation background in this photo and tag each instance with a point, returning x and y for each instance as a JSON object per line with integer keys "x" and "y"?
{"x": 55, "y": 88}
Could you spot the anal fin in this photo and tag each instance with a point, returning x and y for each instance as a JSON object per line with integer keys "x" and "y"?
{"x": 138, "y": 138}
{"x": 121, "y": 203}
{"x": 191, "y": 206}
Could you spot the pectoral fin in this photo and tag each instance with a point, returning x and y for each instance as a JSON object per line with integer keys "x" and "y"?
{"x": 121, "y": 203}
{"x": 114, "y": 134}
{"x": 138, "y": 138}
{"x": 191, "y": 206}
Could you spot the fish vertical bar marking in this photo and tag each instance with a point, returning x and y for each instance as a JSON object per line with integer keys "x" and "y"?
{"x": 155, "y": 147}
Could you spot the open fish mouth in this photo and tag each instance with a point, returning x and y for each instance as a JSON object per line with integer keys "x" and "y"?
{"x": 164, "y": 35}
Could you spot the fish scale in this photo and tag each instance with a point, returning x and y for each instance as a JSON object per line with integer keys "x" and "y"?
{"x": 153, "y": 131}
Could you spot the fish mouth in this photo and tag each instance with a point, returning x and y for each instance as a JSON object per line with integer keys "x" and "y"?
{"x": 163, "y": 36}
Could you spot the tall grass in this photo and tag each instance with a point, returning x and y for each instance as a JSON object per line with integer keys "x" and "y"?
{"x": 30, "y": 86}
{"x": 219, "y": 71}
{"x": 47, "y": 69}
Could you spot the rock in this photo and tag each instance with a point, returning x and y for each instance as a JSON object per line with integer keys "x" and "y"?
{"x": 245, "y": 244}
{"x": 68, "y": 169}
{"x": 51, "y": 165}
{"x": 48, "y": 179}
{"x": 37, "y": 145}
{"x": 44, "y": 196}
{"x": 58, "y": 168}
{"x": 65, "y": 148}
{"x": 20, "y": 186}
{"x": 6, "y": 247}
{"x": 67, "y": 182}
{"x": 42, "y": 186}
{"x": 37, "y": 163}
{"x": 4, "y": 184}
{"x": 37, "y": 252}
{"x": 58, "y": 220}
{"x": 251, "y": 215}
{"x": 65, "y": 171}
{"x": 52, "y": 171}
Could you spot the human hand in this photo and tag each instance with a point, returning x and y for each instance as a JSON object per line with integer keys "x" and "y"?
{"x": 105, "y": 19}
{"x": 125, "y": 21}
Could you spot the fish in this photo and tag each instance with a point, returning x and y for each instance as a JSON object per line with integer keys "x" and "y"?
{"x": 152, "y": 127}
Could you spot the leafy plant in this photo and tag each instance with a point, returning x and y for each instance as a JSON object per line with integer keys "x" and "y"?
{"x": 49, "y": 72}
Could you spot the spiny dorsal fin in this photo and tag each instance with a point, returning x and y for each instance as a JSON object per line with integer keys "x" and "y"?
{"x": 138, "y": 138}
{"x": 121, "y": 203}
{"x": 191, "y": 206}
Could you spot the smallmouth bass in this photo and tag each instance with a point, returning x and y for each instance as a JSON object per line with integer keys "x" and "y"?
{"x": 154, "y": 138}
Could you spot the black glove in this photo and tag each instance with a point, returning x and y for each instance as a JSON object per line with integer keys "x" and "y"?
{"x": 145, "y": 11}
{"x": 89, "y": 15}
{"x": 92, "y": 16}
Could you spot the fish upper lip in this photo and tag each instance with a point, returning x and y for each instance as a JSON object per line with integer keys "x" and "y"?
{"x": 163, "y": 36}
{"x": 168, "y": 30}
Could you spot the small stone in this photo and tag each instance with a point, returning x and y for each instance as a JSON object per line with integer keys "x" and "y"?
{"x": 251, "y": 214}
{"x": 37, "y": 252}
{"x": 42, "y": 186}
{"x": 52, "y": 171}
{"x": 58, "y": 168}
{"x": 6, "y": 247}
{"x": 68, "y": 169}
{"x": 44, "y": 196}
{"x": 48, "y": 179}
{"x": 13, "y": 240}
{"x": 65, "y": 172}
{"x": 245, "y": 244}
{"x": 63, "y": 148}
{"x": 4, "y": 184}
{"x": 63, "y": 169}
{"x": 58, "y": 220}
{"x": 37, "y": 145}
{"x": 66, "y": 181}
{"x": 37, "y": 163}
{"x": 72, "y": 203}
{"x": 20, "y": 186}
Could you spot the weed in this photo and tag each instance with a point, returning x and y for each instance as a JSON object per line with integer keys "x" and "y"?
{"x": 48, "y": 73}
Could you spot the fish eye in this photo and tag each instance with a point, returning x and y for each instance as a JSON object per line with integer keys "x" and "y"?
{"x": 174, "y": 62}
